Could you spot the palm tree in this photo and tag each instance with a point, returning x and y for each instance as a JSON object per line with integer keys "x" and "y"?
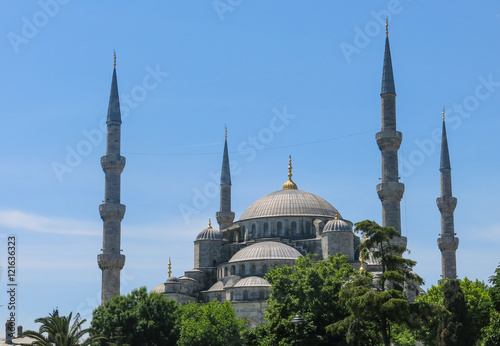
{"x": 60, "y": 331}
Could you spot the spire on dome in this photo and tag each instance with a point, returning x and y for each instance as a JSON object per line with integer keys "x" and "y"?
{"x": 169, "y": 267}
{"x": 387, "y": 75}
{"x": 289, "y": 184}
{"x": 225, "y": 177}
{"x": 114, "y": 114}
{"x": 445, "y": 155}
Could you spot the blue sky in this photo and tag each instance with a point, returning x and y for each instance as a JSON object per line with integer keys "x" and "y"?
{"x": 295, "y": 78}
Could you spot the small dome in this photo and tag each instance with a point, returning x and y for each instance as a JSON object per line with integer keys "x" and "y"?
{"x": 289, "y": 202}
{"x": 209, "y": 233}
{"x": 231, "y": 281}
{"x": 158, "y": 289}
{"x": 267, "y": 250}
{"x": 253, "y": 281}
{"x": 172, "y": 280}
{"x": 218, "y": 286}
{"x": 338, "y": 225}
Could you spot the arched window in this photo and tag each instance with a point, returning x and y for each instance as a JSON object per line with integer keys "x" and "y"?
{"x": 253, "y": 234}
{"x": 294, "y": 227}
{"x": 219, "y": 298}
{"x": 225, "y": 271}
{"x": 233, "y": 270}
{"x": 242, "y": 269}
{"x": 264, "y": 269}
{"x": 214, "y": 263}
{"x": 245, "y": 295}
{"x": 252, "y": 269}
{"x": 231, "y": 296}
{"x": 242, "y": 233}
{"x": 266, "y": 230}
{"x": 279, "y": 228}
{"x": 308, "y": 227}
{"x": 261, "y": 294}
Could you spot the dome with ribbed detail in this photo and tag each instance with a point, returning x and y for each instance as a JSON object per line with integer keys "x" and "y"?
{"x": 218, "y": 286}
{"x": 173, "y": 279}
{"x": 289, "y": 203}
{"x": 268, "y": 250}
{"x": 253, "y": 281}
{"x": 209, "y": 233}
{"x": 158, "y": 289}
{"x": 338, "y": 225}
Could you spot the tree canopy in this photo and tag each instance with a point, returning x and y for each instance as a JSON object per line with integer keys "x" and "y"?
{"x": 309, "y": 289}
{"x": 138, "y": 318}
{"x": 59, "y": 330}
{"x": 210, "y": 324}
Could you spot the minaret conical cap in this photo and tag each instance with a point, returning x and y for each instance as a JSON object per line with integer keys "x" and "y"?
{"x": 387, "y": 74}
{"x": 225, "y": 176}
{"x": 114, "y": 114}
{"x": 445, "y": 154}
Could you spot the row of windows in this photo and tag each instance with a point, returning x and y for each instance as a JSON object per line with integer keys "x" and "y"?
{"x": 261, "y": 295}
{"x": 266, "y": 231}
{"x": 242, "y": 270}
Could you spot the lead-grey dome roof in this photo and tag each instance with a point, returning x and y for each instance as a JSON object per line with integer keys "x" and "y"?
{"x": 252, "y": 281}
{"x": 264, "y": 251}
{"x": 289, "y": 203}
{"x": 338, "y": 225}
{"x": 209, "y": 233}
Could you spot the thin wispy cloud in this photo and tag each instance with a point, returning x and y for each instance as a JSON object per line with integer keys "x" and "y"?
{"x": 16, "y": 220}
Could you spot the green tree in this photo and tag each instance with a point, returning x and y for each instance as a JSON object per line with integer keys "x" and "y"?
{"x": 495, "y": 289}
{"x": 309, "y": 289}
{"x": 210, "y": 324}
{"x": 456, "y": 326}
{"x": 380, "y": 305}
{"x": 138, "y": 318}
{"x": 61, "y": 331}
{"x": 492, "y": 332}
{"x": 478, "y": 303}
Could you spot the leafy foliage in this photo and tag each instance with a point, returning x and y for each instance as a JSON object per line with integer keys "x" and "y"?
{"x": 495, "y": 290}
{"x": 61, "y": 331}
{"x": 456, "y": 325}
{"x": 374, "y": 309}
{"x": 478, "y": 304}
{"x": 138, "y": 318}
{"x": 492, "y": 332}
{"x": 309, "y": 289}
{"x": 210, "y": 324}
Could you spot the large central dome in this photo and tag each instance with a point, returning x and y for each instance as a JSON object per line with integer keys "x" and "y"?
{"x": 289, "y": 203}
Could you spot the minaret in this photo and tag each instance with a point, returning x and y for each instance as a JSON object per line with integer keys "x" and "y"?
{"x": 111, "y": 261}
{"x": 447, "y": 243}
{"x": 225, "y": 216}
{"x": 390, "y": 191}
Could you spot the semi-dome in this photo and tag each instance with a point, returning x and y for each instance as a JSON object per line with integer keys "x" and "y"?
{"x": 268, "y": 250}
{"x": 218, "y": 286}
{"x": 209, "y": 233}
{"x": 172, "y": 280}
{"x": 253, "y": 281}
{"x": 158, "y": 289}
{"x": 289, "y": 202}
{"x": 338, "y": 225}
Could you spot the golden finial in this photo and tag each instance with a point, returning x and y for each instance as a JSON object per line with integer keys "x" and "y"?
{"x": 387, "y": 25}
{"x": 289, "y": 184}
{"x": 226, "y": 131}
{"x": 169, "y": 267}
{"x": 114, "y": 58}
{"x": 209, "y": 223}
{"x": 362, "y": 266}
{"x": 336, "y": 215}
{"x": 443, "y": 113}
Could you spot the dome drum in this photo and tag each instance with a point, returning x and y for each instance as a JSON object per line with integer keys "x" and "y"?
{"x": 298, "y": 227}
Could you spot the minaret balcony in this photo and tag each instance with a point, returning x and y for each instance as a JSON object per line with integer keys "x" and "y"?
{"x": 112, "y": 211}
{"x": 389, "y": 139}
{"x": 110, "y": 261}
{"x": 447, "y": 243}
{"x": 112, "y": 164}
{"x": 390, "y": 191}
{"x": 446, "y": 204}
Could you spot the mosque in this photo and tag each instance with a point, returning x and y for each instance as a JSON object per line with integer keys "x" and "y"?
{"x": 230, "y": 263}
